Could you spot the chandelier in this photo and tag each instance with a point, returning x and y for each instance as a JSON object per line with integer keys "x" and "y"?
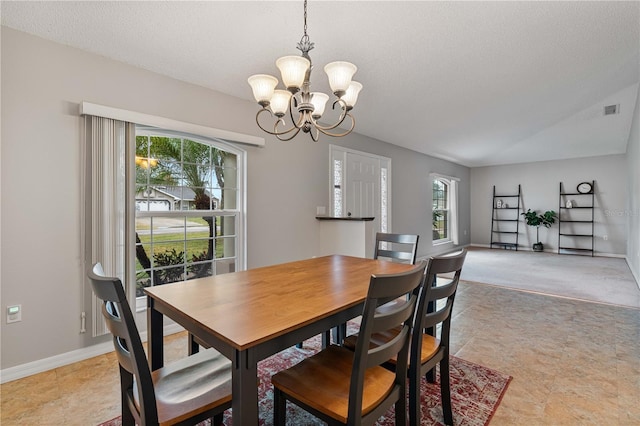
{"x": 309, "y": 106}
{"x": 145, "y": 162}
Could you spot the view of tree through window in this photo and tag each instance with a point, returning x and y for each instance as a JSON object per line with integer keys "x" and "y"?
{"x": 440, "y": 211}
{"x": 186, "y": 210}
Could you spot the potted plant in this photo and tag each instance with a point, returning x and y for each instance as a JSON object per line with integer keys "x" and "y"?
{"x": 546, "y": 219}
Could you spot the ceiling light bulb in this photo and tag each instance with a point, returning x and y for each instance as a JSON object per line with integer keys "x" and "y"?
{"x": 340, "y": 74}
{"x": 263, "y": 86}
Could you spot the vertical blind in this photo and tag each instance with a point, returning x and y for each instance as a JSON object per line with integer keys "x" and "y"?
{"x": 106, "y": 192}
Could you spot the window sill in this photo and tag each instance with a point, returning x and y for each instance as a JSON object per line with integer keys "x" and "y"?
{"x": 441, "y": 242}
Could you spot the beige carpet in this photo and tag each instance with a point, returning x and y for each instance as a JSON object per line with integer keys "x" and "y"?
{"x": 595, "y": 279}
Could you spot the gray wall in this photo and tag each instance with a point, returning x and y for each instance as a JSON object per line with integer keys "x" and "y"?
{"x": 42, "y": 263}
{"x": 540, "y": 186}
{"x": 633, "y": 207}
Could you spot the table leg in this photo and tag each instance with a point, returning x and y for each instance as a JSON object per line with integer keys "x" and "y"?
{"x": 194, "y": 347}
{"x": 244, "y": 388}
{"x": 155, "y": 343}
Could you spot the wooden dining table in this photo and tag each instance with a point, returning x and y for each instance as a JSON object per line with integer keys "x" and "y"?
{"x": 253, "y": 314}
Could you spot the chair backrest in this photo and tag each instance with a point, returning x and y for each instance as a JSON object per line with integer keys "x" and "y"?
{"x": 128, "y": 346}
{"x": 436, "y": 301}
{"x": 377, "y": 319}
{"x": 398, "y": 247}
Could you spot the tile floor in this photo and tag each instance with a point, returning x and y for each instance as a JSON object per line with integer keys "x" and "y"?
{"x": 572, "y": 362}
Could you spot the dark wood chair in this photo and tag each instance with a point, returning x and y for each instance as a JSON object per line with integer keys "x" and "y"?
{"x": 396, "y": 247}
{"x": 344, "y": 387}
{"x": 433, "y": 312}
{"x": 185, "y": 392}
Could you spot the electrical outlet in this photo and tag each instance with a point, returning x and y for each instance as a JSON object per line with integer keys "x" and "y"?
{"x": 605, "y": 237}
{"x": 321, "y": 211}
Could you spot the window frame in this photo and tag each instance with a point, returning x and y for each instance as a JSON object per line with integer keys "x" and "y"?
{"x": 239, "y": 212}
{"x": 447, "y": 210}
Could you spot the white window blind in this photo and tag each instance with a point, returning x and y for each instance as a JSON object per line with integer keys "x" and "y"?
{"x": 105, "y": 203}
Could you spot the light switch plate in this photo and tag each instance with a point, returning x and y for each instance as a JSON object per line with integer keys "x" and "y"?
{"x": 14, "y": 313}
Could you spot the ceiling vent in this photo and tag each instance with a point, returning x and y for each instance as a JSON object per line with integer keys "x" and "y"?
{"x": 612, "y": 109}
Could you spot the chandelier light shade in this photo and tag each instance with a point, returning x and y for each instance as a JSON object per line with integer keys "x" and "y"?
{"x": 340, "y": 74}
{"x": 293, "y": 70}
{"x": 263, "y": 87}
{"x": 145, "y": 162}
{"x": 319, "y": 101}
{"x": 280, "y": 102}
{"x": 351, "y": 97}
{"x": 305, "y": 107}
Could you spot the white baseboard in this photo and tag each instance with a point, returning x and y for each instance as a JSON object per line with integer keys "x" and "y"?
{"x": 523, "y": 248}
{"x": 636, "y": 274}
{"x": 479, "y": 245}
{"x": 46, "y": 364}
{"x": 619, "y": 256}
{"x": 443, "y": 252}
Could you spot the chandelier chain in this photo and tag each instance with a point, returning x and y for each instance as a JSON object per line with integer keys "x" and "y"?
{"x": 305, "y": 45}
{"x": 305, "y": 18}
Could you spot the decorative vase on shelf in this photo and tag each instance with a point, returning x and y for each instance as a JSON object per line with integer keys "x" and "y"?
{"x": 569, "y": 204}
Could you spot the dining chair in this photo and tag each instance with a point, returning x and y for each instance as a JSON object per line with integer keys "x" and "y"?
{"x": 433, "y": 313}
{"x": 185, "y": 392}
{"x": 396, "y": 247}
{"x": 344, "y": 387}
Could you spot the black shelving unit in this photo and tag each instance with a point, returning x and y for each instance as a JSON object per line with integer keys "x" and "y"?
{"x": 505, "y": 220}
{"x": 575, "y": 222}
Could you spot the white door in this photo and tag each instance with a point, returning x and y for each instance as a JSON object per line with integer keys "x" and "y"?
{"x": 364, "y": 185}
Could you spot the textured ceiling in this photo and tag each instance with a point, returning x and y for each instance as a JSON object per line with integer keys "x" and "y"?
{"x": 477, "y": 83}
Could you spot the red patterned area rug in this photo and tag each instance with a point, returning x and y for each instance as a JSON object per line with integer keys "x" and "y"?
{"x": 476, "y": 392}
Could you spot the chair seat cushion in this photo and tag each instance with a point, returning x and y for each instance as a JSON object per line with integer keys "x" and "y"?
{"x": 322, "y": 382}
{"x": 430, "y": 344}
{"x": 192, "y": 385}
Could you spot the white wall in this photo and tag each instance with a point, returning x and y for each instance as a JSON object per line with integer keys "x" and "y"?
{"x": 540, "y": 187}
{"x": 633, "y": 207}
{"x": 42, "y": 85}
